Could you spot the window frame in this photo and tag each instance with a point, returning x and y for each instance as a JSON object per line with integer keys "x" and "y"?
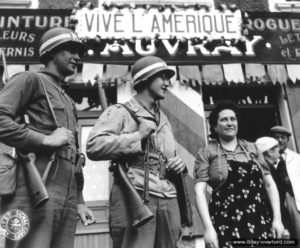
{"x": 89, "y": 118}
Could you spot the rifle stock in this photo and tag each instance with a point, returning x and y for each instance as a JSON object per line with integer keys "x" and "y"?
{"x": 101, "y": 92}
{"x": 36, "y": 188}
{"x": 186, "y": 213}
{"x": 140, "y": 213}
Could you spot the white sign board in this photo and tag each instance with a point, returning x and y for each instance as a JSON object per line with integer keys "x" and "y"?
{"x": 127, "y": 23}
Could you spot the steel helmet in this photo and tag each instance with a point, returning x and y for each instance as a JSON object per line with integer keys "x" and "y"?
{"x": 148, "y": 66}
{"x": 55, "y": 37}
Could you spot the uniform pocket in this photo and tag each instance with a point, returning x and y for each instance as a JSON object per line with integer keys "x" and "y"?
{"x": 59, "y": 111}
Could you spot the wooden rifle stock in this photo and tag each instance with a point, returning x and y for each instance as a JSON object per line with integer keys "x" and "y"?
{"x": 37, "y": 191}
{"x": 186, "y": 213}
{"x": 101, "y": 92}
{"x": 140, "y": 213}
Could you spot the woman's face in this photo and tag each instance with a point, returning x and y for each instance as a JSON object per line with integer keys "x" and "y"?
{"x": 227, "y": 125}
{"x": 274, "y": 155}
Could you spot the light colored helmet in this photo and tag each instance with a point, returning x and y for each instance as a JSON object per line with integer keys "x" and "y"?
{"x": 148, "y": 66}
{"x": 55, "y": 37}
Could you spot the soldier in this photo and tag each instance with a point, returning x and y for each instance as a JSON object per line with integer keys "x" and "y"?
{"x": 25, "y": 96}
{"x": 118, "y": 136}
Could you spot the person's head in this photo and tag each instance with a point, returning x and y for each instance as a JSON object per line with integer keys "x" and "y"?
{"x": 282, "y": 135}
{"x": 269, "y": 147}
{"x": 224, "y": 120}
{"x": 153, "y": 75}
{"x": 62, "y": 48}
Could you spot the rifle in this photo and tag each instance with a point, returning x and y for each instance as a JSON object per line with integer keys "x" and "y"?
{"x": 140, "y": 213}
{"x": 186, "y": 213}
{"x": 185, "y": 208}
{"x": 36, "y": 188}
{"x": 101, "y": 92}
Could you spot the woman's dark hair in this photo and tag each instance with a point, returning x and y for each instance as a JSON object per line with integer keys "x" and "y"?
{"x": 214, "y": 115}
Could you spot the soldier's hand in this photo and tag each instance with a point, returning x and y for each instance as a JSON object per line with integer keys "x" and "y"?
{"x": 176, "y": 164}
{"x": 146, "y": 128}
{"x": 85, "y": 215}
{"x": 60, "y": 137}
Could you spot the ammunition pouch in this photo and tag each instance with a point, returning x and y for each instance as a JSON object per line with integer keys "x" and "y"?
{"x": 67, "y": 153}
{"x": 157, "y": 164}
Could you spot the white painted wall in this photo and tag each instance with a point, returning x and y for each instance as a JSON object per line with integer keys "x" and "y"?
{"x": 34, "y": 4}
{"x": 209, "y": 3}
{"x": 199, "y": 243}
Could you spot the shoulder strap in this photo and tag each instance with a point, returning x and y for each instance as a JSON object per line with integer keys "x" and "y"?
{"x": 48, "y": 100}
{"x": 131, "y": 112}
{"x": 52, "y": 158}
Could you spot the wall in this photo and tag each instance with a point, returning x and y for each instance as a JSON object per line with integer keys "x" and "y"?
{"x": 254, "y": 5}
{"x": 293, "y": 93}
{"x": 61, "y": 4}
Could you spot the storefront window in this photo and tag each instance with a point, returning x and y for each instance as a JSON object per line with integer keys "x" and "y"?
{"x": 96, "y": 173}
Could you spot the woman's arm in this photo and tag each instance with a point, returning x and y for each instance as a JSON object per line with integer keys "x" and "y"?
{"x": 210, "y": 235}
{"x": 277, "y": 226}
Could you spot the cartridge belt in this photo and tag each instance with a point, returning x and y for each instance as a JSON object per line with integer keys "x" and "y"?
{"x": 156, "y": 163}
{"x": 67, "y": 153}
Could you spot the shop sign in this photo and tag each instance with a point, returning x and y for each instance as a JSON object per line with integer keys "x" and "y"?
{"x": 138, "y": 23}
{"x": 189, "y": 36}
{"x": 279, "y": 35}
{"x": 21, "y": 30}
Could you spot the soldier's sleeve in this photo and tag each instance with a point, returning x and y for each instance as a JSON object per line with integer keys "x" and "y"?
{"x": 106, "y": 141}
{"x": 14, "y": 97}
{"x": 80, "y": 199}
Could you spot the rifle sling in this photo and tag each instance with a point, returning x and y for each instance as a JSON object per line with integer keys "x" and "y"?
{"x": 146, "y": 157}
{"x": 52, "y": 158}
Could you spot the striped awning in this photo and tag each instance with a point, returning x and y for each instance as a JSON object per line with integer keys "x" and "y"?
{"x": 192, "y": 75}
{"x": 116, "y": 74}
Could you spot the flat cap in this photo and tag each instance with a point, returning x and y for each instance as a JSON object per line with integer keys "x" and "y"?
{"x": 280, "y": 129}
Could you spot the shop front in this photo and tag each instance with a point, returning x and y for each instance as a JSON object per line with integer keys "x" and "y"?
{"x": 253, "y": 60}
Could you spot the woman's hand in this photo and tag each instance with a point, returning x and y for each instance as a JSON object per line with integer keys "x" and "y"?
{"x": 277, "y": 229}
{"x": 211, "y": 238}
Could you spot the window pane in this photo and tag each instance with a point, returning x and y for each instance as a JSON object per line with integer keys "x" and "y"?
{"x": 96, "y": 174}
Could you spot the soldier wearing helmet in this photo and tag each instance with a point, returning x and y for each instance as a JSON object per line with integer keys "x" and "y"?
{"x": 46, "y": 126}
{"x": 118, "y": 136}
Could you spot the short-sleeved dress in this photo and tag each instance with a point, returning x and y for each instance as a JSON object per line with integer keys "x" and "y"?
{"x": 238, "y": 208}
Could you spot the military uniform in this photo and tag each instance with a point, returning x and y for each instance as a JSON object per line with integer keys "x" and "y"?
{"x": 115, "y": 137}
{"x": 54, "y": 224}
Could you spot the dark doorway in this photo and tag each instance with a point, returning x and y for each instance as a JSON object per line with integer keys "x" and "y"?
{"x": 257, "y": 103}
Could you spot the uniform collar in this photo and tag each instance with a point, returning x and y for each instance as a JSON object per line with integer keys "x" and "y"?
{"x": 140, "y": 111}
{"x": 57, "y": 79}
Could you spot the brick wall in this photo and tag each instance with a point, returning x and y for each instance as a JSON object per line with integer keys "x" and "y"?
{"x": 61, "y": 4}
{"x": 254, "y": 5}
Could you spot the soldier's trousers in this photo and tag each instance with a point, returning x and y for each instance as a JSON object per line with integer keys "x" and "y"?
{"x": 53, "y": 225}
{"x": 163, "y": 231}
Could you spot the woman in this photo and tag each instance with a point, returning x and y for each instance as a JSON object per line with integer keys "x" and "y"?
{"x": 240, "y": 180}
{"x": 269, "y": 147}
